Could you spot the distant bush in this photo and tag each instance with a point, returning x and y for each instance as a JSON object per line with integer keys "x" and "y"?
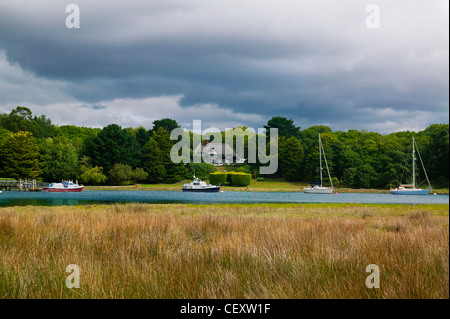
{"x": 240, "y": 179}
{"x": 202, "y": 170}
{"x": 336, "y": 182}
{"x": 122, "y": 174}
{"x": 238, "y": 168}
{"x": 218, "y": 178}
{"x": 245, "y": 169}
{"x": 92, "y": 175}
{"x": 139, "y": 174}
{"x": 440, "y": 182}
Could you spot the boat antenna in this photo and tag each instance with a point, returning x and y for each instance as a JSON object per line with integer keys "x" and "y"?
{"x": 326, "y": 164}
{"x": 404, "y": 165}
{"x": 413, "y": 165}
{"x": 320, "y": 160}
{"x": 423, "y": 166}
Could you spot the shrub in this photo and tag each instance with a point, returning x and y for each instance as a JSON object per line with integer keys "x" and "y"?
{"x": 245, "y": 169}
{"x": 122, "y": 174}
{"x": 218, "y": 178}
{"x": 92, "y": 175}
{"x": 240, "y": 179}
{"x": 336, "y": 182}
{"x": 202, "y": 170}
{"x": 139, "y": 174}
{"x": 229, "y": 177}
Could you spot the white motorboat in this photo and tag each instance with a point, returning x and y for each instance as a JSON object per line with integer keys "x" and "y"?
{"x": 66, "y": 186}
{"x": 199, "y": 186}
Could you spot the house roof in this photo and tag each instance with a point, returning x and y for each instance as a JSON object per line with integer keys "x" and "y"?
{"x": 220, "y": 148}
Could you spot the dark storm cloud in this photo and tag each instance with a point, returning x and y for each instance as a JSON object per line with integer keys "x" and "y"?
{"x": 315, "y": 62}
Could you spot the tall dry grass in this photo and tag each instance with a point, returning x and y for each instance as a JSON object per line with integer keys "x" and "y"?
{"x": 224, "y": 251}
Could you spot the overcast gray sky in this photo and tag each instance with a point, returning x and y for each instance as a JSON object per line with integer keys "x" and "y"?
{"x": 228, "y": 63}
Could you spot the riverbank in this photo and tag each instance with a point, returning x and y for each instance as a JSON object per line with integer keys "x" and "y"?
{"x": 225, "y": 250}
{"x": 270, "y": 185}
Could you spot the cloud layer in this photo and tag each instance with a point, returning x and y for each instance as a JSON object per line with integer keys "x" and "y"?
{"x": 228, "y": 62}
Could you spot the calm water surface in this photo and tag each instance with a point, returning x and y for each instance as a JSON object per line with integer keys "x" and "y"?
{"x": 15, "y": 198}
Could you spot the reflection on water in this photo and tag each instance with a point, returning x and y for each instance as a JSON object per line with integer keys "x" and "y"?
{"x": 14, "y": 198}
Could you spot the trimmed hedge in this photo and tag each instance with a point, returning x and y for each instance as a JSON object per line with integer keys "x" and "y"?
{"x": 233, "y": 178}
{"x": 240, "y": 179}
{"x": 229, "y": 177}
{"x": 218, "y": 178}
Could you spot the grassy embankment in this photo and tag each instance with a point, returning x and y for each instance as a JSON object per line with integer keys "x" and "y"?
{"x": 267, "y": 185}
{"x": 225, "y": 251}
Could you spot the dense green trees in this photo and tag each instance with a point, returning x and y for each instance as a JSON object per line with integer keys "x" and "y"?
{"x": 367, "y": 159}
{"x": 166, "y": 124}
{"x": 32, "y": 146}
{"x": 285, "y": 126}
{"x": 435, "y": 152}
{"x": 92, "y": 175}
{"x": 152, "y": 161}
{"x": 124, "y": 174}
{"x": 156, "y": 159}
{"x": 19, "y": 156}
{"x": 59, "y": 159}
{"x": 113, "y": 145}
{"x": 142, "y": 135}
{"x": 290, "y": 158}
{"x": 202, "y": 170}
{"x": 21, "y": 119}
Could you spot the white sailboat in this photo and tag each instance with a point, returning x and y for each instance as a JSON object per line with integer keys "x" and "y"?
{"x": 411, "y": 189}
{"x": 320, "y": 189}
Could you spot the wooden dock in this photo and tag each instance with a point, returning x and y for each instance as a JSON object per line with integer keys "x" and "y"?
{"x": 25, "y": 185}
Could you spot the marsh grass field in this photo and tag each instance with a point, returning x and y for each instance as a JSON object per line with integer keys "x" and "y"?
{"x": 225, "y": 251}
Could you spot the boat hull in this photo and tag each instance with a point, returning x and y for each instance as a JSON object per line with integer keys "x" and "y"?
{"x": 410, "y": 192}
{"x": 318, "y": 190}
{"x": 202, "y": 190}
{"x": 62, "y": 190}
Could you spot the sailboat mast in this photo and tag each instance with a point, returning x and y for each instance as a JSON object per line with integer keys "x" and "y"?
{"x": 413, "y": 165}
{"x": 320, "y": 157}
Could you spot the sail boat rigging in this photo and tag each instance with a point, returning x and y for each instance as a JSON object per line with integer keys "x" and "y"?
{"x": 411, "y": 189}
{"x": 320, "y": 189}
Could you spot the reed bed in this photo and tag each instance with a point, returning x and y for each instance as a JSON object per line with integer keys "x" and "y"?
{"x": 225, "y": 251}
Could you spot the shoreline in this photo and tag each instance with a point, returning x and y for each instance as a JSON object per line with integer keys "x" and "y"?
{"x": 177, "y": 187}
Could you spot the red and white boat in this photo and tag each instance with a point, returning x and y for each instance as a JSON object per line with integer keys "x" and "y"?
{"x": 67, "y": 186}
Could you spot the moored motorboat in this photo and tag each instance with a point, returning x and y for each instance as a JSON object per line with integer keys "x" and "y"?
{"x": 66, "y": 186}
{"x": 200, "y": 186}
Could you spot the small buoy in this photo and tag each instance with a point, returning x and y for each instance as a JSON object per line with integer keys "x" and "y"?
{"x": 435, "y": 194}
{"x": 335, "y": 192}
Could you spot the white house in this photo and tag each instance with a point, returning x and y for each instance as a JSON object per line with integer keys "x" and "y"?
{"x": 218, "y": 154}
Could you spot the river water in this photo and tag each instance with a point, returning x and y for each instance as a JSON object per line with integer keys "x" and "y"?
{"x": 86, "y": 197}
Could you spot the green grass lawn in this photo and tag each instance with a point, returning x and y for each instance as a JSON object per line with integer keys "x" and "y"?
{"x": 269, "y": 184}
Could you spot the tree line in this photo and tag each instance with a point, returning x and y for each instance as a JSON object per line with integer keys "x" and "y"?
{"x": 33, "y": 147}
